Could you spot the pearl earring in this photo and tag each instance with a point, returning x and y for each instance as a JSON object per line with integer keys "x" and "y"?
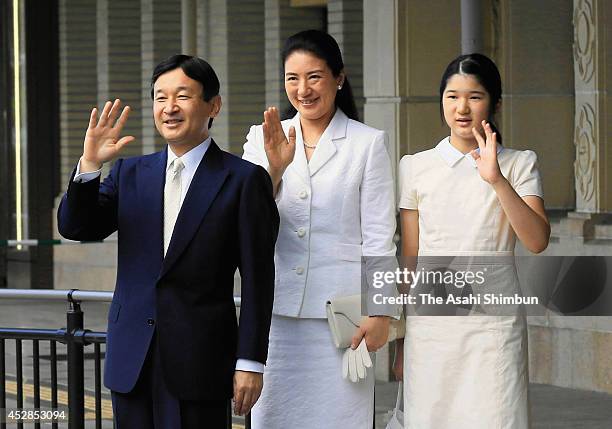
{"x": 339, "y": 87}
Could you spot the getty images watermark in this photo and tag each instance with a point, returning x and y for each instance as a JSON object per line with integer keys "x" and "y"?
{"x": 448, "y": 278}
{"x": 489, "y": 285}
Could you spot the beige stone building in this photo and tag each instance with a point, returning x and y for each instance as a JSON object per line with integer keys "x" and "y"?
{"x": 557, "y": 79}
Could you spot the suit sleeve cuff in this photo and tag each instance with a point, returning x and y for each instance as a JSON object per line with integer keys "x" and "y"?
{"x": 393, "y": 314}
{"x": 85, "y": 177}
{"x": 249, "y": 366}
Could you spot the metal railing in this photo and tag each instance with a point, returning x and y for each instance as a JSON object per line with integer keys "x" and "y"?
{"x": 76, "y": 338}
{"x": 49, "y": 242}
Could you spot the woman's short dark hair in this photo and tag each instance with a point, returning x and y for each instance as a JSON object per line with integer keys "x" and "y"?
{"x": 325, "y": 47}
{"x": 195, "y": 68}
{"x": 484, "y": 70}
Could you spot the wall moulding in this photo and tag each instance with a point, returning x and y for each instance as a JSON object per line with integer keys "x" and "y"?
{"x": 585, "y": 49}
{"x": 585, "y": 165}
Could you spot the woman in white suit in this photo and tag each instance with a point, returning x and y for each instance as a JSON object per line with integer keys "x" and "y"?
{"x": 335, "y": 194}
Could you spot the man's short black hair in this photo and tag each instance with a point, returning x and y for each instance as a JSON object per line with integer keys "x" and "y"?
{"x": 195, "y": 68}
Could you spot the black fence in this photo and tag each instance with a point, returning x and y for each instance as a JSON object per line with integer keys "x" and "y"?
{"x": 76, "y": 339}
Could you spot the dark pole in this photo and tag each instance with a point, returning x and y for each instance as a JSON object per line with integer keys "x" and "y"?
{"x": 472, "y": 39}
{"x": 6, "y": 156}
{"x": 43, "y": 122}
{"x": 76, "y": 384}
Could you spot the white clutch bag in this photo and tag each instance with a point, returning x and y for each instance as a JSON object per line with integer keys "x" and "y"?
{"x": 344, "y": 316}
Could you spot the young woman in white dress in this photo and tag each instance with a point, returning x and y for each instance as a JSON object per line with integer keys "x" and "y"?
{"x": 334, "y": 189}
{"x": 468, "y": 196}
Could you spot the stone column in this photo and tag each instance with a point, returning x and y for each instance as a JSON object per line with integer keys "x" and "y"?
{"x": 234, "y": 41}
{"x": 119, "y": 62}
{"x": 345, "y": 21}
{"x": 82, "y": 266}
{"x": 592, "y": 127}
{"x": 160, "y": 38}
{"x": 402, "y": 66}
{"x": 78, "y": 78}
{"x": 203, "y": 36}
{"x": 188, "y": 27}
{"x": 538, "y": 91}
{"x": 283, "y": 20}
{"x": 383, "y": 104}
{"x": 382, "y": 61}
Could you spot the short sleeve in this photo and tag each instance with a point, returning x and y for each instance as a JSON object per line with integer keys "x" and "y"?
{"x": 527, "y": 180}
{"x": 407, "y": 189}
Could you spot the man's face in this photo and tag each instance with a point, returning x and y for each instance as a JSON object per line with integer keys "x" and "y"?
{"x": 181, "y": 114}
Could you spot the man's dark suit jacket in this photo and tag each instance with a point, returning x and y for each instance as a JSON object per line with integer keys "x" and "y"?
{"x": 228, "y": 220}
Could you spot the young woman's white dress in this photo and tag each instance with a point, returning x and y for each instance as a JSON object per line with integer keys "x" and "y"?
{"x": 464, "y": 372}
{"x": 333, "y": 209}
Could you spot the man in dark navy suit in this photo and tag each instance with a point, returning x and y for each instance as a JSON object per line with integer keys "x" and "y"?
{"x": 186, "y": 217}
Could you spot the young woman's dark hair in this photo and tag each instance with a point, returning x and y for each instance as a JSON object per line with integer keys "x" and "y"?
{"x": 325, "y": 47}
{"x": 484, "y": 70}
{"x": 196, "y": 69}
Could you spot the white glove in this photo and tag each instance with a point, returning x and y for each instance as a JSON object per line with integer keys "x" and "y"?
{"x": 355, "y": 362}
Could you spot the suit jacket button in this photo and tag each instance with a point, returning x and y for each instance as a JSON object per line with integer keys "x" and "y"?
{"x": 150, "y": 322}
{"x": 303, "y": 194}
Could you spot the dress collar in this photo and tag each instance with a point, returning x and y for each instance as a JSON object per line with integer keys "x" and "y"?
{"x": 451, "y": 155}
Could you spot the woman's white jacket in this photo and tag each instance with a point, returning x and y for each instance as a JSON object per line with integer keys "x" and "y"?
{"x": 335, "y": 209}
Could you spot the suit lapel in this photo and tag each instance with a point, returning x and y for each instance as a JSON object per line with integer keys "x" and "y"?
{"x": 326, "y": 148}
{"x": 151, "y": 178}
{"x": 206, "y": 183}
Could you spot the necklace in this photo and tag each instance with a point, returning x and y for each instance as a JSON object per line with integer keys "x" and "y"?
{"x": 314, "y": 146}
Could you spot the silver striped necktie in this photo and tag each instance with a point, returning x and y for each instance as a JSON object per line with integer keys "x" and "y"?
{"x": 172, "y": 199}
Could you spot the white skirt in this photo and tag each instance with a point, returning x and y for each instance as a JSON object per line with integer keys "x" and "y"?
{"x": 466, "y": 372}
{"x": 303, "y": 384}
